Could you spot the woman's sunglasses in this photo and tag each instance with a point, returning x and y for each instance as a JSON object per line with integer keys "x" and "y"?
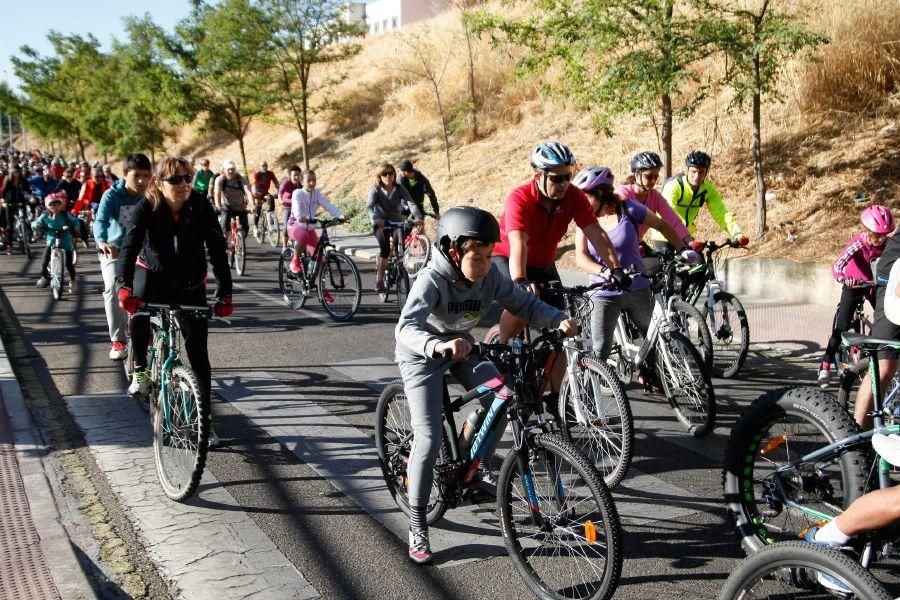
{"x": 388, "y": 175}
{"x": 177, "y": 179}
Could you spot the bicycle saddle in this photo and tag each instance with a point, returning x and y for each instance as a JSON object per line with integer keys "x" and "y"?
{"x": 850, "y": 338}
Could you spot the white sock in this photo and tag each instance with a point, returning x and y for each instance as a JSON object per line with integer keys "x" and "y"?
{"x": 832, "y": 534}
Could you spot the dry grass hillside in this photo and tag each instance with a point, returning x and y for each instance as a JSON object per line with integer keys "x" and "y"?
{"x": 835, "y": 137}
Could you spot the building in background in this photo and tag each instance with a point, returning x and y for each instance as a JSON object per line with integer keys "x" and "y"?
{"x": 387, "y": 15}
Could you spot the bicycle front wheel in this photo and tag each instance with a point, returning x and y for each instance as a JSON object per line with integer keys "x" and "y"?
{"x": 416, "y": 254}
{"x": 273, "y": 229}
{"x": 340, "y": 290}
{"x": 240, "y": 254}
{"x": 776, "y": 429}
{"x": 730, "y": 333}
{"x": 799, "y": 570}
{"x": 393, "y": 440}
{"x": 181, "y": 434}
{"x": 692, "y": 324}
{"x": 22, "y": 233}
{"x": 686, "y": 383}
{"x": 601, "y": 425}
{"x": 402, "y": 287}
{"x": 559, "y": 522}
{"x": 57, "y": 273}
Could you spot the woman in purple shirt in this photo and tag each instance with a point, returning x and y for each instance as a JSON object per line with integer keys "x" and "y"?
{"x": 622, "y": 220}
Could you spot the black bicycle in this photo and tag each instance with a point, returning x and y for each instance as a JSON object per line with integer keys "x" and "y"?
{"x": 396, "y": 275}
{"x": 557, "y": 517}
{"x": 328, "y": 272}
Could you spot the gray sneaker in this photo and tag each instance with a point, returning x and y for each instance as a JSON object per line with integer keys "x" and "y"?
{"x": 42, "y": 282}
{"x": 140, "y": 383}
{"x": 823, "y": 378}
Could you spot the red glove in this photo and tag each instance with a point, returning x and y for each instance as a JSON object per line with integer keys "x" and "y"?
{"x": 743, "y": 241}
{"x": 223, "y": 307}
{"x": 128, "y": 301}
{"x": 696, "y": 245}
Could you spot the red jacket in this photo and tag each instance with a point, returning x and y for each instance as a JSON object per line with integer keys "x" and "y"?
{"x": 91, "y": 192}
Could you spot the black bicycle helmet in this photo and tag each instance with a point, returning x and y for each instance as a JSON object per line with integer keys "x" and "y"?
{"x": 698, "y": 159}
{"x": 645, "y": 160}
{"x": 468, "y": 222}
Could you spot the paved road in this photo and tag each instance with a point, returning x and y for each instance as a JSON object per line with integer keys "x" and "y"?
{"x": 290, "y": 506}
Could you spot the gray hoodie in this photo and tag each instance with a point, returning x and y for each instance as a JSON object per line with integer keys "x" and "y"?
{"x": 442, "y": 307}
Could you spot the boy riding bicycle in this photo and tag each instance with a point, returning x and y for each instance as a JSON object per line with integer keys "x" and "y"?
{"x": 447, "y": 300}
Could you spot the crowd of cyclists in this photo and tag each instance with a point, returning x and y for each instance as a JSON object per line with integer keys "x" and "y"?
{"x": 156, "y": 232}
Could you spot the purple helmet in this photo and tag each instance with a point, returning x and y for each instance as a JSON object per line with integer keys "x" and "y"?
{"x": 590, "y": 178}
{"x": 878, "y": 219}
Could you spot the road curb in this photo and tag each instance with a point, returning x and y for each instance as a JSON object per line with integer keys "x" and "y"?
{"x": 56, "y": 544}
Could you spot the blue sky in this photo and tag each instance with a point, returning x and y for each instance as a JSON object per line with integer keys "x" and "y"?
{"x": 28, "y": 21}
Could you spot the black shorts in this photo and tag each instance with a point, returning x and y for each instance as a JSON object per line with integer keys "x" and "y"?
{"x": 541, "y": 275}
{"x": 882, "y": 327}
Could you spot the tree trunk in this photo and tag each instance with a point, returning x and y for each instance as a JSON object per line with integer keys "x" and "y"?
{"x": 757, "y": 126}
{"x": 81, "y": 147}
{"x": 667, "y": 133}
{"x": 473, "y": 97}
{"x": 437, "y": 95}
{"x": 304, "y": 110}
{"x": 243, "y": 154}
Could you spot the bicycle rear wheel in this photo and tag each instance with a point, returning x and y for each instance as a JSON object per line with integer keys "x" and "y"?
{"x": 23, "y": 235}
{"x": 602, "y": 427}
{"x": 340, "y": 290}
{"x": 181, "y": 434}
{"x": 559, "y": 522}
{"x": 799, "y": 570}
{"x": 686, "y": 383}
{"x": 692, "y": 324}
{"x": 402, "y": 287}
{"x": 730, "y": 333}
{"x": 240, "y": 254}
{"x": 292, "y": 285}
{"x": 393, "y": 440}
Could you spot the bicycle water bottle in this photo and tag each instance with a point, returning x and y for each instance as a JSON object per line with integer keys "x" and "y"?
{"x": 469, "y": 429}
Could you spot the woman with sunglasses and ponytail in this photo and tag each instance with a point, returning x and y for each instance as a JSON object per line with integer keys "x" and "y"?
{"x": 535, "y": 218}
{"x": 386, "y": 202}
{"x": 164, "y": 260}
{"x": 641, "y": 187}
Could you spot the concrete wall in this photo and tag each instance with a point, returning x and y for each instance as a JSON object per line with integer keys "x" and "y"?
{"x": 783, "y": 279}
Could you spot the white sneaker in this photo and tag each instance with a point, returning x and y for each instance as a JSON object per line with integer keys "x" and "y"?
{"x": 140, "y": 383}
{"x": 823, "y": 378}
{"x": 42, "y": 282}
{"x": 419, "y": 548}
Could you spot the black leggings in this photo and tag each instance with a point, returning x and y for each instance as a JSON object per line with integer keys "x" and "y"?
{"x": 152, "y": 289}
{"x": 384, "y": 245}
{"x": 846, "y": 307}
{"x": 45, "y": 263}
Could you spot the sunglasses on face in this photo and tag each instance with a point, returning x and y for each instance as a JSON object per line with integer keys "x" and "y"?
{"x": 651, "y": 177}
{"x": 559, "y": 178}
{"x": 387, "y": 175}
{"x": 177, "y": 179}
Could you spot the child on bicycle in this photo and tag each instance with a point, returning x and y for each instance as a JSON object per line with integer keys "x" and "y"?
{"x": 305, "y": 203}
{"x": 853, "y": 270}
{"x": 447, "y": 300}
{"x": 53, "y": 221}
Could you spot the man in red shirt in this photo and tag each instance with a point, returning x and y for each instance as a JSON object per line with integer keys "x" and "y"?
{"x": 261, "y": 181}
{"x": 535, "y": 218}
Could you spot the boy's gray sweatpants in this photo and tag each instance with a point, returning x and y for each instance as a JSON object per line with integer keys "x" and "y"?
{"x": 424, "y": 386}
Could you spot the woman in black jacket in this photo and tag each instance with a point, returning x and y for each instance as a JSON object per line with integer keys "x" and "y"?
{"x": 164, "y": 260}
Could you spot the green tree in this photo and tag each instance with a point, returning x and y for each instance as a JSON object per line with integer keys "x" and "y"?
{"x": 758, "y": 42}
{"x": 617, "y": 56}
{"x": 307, "y": 34}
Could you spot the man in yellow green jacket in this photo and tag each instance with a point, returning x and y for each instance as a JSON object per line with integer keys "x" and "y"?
{"x": 687, "y": 193}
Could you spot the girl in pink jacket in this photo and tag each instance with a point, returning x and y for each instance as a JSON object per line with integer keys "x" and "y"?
{"x": 853, "y": 270}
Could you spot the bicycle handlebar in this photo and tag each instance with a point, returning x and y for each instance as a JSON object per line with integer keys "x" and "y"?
{"x": 207, "y": 311}
{"x": 323, "y": 223}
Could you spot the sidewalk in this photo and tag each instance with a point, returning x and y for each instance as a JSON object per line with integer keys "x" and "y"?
{"x": 37, "y": 559}
{"x": 784, "y": 326}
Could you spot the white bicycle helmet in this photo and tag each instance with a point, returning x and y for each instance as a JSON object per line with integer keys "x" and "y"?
{"x": 551, "y": 155}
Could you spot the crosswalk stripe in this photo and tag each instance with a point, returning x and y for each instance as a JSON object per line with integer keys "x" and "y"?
{"x": 209, "y": 547}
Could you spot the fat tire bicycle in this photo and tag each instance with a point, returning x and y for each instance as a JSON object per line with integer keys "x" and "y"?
{"x": 677, "y": 365}
{"x": 557, "y": 516}
{"x": 235, "y": 243}
{"x": 791, "y": 570}
{"x": 331, "y": 273}
{"x": 395, "y": 274}
{"x": 795, "y": 459}
{"x": 179, "y": 412}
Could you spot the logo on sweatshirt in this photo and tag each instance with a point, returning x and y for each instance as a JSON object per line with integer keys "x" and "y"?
{"x": 457, "y": 306}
